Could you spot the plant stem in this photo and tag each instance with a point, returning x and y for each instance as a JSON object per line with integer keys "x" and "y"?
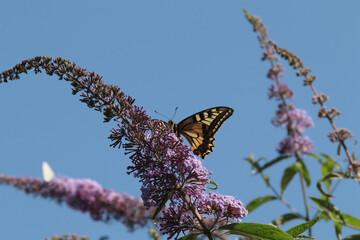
{"x": 303, "y": 189}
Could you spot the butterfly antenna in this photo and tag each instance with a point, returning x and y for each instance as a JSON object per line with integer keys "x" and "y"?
{"x": 161, "y": 114}
{"x": 174, "y": 113}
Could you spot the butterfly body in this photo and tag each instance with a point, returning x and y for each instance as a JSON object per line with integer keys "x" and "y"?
{"x": 199, "y": 129}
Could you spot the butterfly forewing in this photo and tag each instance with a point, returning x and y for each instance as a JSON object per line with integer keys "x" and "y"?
{"x": 199, "y": 129}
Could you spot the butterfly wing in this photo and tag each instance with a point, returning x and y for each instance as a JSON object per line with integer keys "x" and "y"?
{"x": 199, "y": 129}
{"x": 48, "y": 173}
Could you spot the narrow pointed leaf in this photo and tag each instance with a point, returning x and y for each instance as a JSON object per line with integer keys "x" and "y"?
{"x": 327, "y": 157}
{"x": 333, "y": 175}
{"x": 339, "y": 175}
{"x": 289, "y": 173}
{"x": 300, "y": 237}
{"x": 315, "y": 156}
{"x": 338, "y": 229}
{"x": 257, "y": 230}
{"x": 162, "y": 204}
{"x": 352, "y": 237}
{"x": 305, "y": 173}
{"x": 254, "y": 164}
{"x": 297, "y": 230}
{"x": 191, "y": 236}
{"x": 258, "y": 202}
{"x": 329, "y": 165}
{"x": 326, "y": 168}
{"x": 285, "y": 218}
{"x": 324, "y": 216}
{"x": 351, "y": 221}
{"x": 329, "y": 208}
{"x": 214, "y": 184}
{"x": 272, "y": 162}
{"x": 266, "y": 179}
{"x": 339, "y": 149}
{"x": 321, "y": 190}
{"x": 304, "y": 237}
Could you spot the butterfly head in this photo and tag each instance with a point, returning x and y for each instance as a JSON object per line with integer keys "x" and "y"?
{"x": 174, "y": 127}
{"x": 171, "y": 123}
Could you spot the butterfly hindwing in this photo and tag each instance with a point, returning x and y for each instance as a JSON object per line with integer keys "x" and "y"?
{"x": 199, "y": 129}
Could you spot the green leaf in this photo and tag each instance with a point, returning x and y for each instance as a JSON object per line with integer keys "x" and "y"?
{"x": 351, "y": 221}
{"x": 333, "y": 175}
{"x": 324, "y": 216}
{"x": 353, "y": 237}
{"x": 266, "y": 179}
{"x": 305, "y": 172}
{"x": 315, "y": 156}
{"x": 339, "y": 175}
{"x": 339, "y": 149}
{"x": 338, "y": 228}
{"x": 191, "y": 236}
{"x": 258, "y": 202}
{"x": 162, "y": 204}
{"x": 327, "y": 157}
{"x": 214, "y": 184}
{"x": 319, "y": 187}
{"x": 304, "y": 237}
{"x": 325, "y": 169}
{"x": 254, "y": 164}
{"x": 329, "y": 165}
{"x": 257, "y": 230}
{"x": 272, "y": 162}
{"x": 297, "y": 230}
{"x": 330, "y": 209}
{"x": 289, "y": 173}
{"x": 281, "y": 220}
{"x": 330, "y": 159}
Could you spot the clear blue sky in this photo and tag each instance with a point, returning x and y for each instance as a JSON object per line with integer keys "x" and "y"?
{"x": 166, "y": 54}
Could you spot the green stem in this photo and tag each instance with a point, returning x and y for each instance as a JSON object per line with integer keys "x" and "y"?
{"x": 303, "y": 188}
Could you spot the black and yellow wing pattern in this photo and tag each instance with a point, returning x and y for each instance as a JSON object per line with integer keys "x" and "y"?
{"x": 199, "y": 129}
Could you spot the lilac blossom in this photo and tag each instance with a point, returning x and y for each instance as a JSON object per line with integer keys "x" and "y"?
{"x": 297, "y": 118}
{"x": 280, "y": 90}
{"x": 86, "y": 195}
{"x": 275, "y": 72}
{"x": 165, "y": 166}
{"x": 222, "y": 206}
{"x": 295, "y": 143}
{"x": 68, "y": 237}
{"x": 217, "y": 210}
{"x": 160, "y": 159}
{"x": 287, "y": 116}
{"x": 340, "y": 134}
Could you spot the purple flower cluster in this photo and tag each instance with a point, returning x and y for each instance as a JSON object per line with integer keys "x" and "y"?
{"x": 277, "y": 71}
{"x": 68, "y": 237}
{"x": 289, "y": 115}
{"x": 168, "y": 170}
{"x": 160, "y": 159}
{"x": 295, "y": 143}
{"x": 217, "y": 210}
{"x": 295, "y": 120}
{"x": 86, "y": 195}
{"x": 222, "y": 206}
{"x": 280, "y": 90}
{"x": 166, "y": 167}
